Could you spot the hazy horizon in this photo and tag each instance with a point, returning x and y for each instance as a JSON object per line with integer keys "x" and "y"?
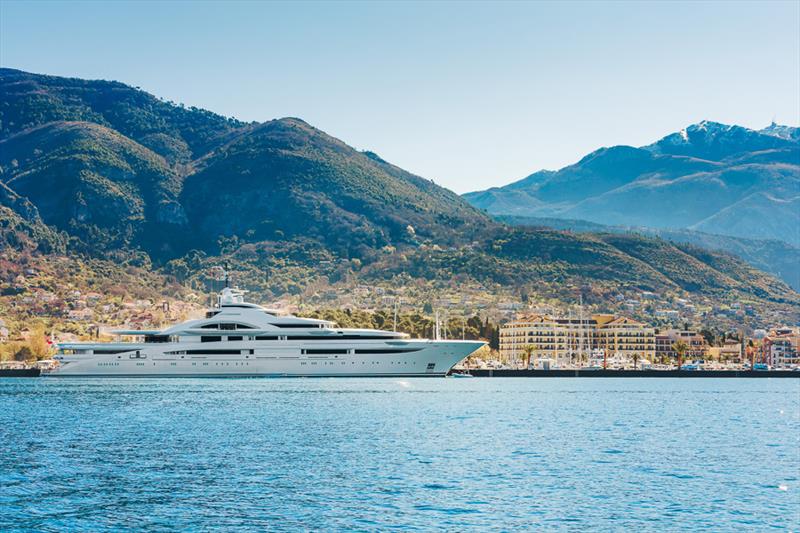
{"x": 469, "y": 95}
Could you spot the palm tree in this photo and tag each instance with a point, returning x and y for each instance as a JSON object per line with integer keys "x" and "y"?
{"x": 635, "y": 360}
{"x": 528, "y": 349}
{"x": 680, "y": 348}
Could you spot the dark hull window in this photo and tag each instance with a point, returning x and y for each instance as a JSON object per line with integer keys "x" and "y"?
{"x": 387, "y": 350}
{"x": 208, "y": 352}
{"x": 210, "y": 339}
{"x": 323, "y": 351}
{"x": 234, "y": 338}
{"x": 156, "y": 338}
{"x": 338, "y": 338}
{"x": 266, "y": 338}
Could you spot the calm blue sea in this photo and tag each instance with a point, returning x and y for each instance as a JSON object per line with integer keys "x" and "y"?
{"x": 374, "y": 454}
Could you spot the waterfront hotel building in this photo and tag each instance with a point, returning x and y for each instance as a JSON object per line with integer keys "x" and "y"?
{"x": 565, "y": 339}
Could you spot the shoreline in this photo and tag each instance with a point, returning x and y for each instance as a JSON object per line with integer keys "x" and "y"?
{"x": 578, "y": 373}
{"x": 510, "y": 373}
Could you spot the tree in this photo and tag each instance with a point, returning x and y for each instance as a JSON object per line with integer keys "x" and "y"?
{"x": 635, "y": 360}
{"x": 680, "y": 348}
{"x": 24, "y": 354}
{"x": 528, "y": 349}
{"x": 709, "y": 336}
{"x": 494, "y": 340}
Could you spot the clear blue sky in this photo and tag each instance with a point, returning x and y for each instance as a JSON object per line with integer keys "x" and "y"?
{"x": 470, "y": 95}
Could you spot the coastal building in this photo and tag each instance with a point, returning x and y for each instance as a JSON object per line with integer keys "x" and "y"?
{"x": 570, "y": 339}
{"x": 781, "y": 347}
{"x": 731, "y": 351}
{"x": 697, "y": 347}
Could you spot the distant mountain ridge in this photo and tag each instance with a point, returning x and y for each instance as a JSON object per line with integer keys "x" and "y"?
{"x": 104, "y": 169}
{"x": 773, "y": 256}
{"x": 709, "y": 177}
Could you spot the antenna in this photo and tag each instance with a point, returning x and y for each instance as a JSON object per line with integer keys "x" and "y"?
{"x": 226, "y": 276}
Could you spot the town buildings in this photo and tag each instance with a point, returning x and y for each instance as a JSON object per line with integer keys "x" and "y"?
{"x": 566, "y": 340}
{"x": 697, "y": 347}
{"x": 781, "y": 347}
{"x": 730, "y": 352}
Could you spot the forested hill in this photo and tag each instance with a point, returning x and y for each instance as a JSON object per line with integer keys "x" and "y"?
{"x": 104, "y": 169}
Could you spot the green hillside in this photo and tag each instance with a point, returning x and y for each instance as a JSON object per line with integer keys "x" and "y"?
{"x": 285, "y": 179}
{"x": 177, "y": 133}
{"x": 769, "y": 255}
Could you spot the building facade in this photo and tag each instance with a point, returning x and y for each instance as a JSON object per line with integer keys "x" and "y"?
{"x": 731, "y": 351}
{"x": 697, "y": 347}
{"x": 782, "y": 347}
{"x": 566, "y": 340}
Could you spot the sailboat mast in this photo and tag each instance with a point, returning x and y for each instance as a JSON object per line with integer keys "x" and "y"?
{"x": 581, "y": 326}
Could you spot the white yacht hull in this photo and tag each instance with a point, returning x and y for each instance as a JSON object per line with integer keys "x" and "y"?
{"x": 267, "y": 359}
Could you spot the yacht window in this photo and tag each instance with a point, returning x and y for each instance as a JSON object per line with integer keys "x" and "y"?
{"x": 315, "y": 326}
{"x": 156, "y": 338}
{"x": 210, "y": 339}
{"x": 324, "y": 351}
{"x": 227, "y": 326}
{"x": 234, "y": 337}
{"x": 266, "y": 338}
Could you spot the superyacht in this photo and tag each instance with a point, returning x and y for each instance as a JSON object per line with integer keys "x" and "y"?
{"x": 237, "y": 338}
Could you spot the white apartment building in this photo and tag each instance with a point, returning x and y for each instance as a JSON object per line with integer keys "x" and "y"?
{"x": 566, "y": 340}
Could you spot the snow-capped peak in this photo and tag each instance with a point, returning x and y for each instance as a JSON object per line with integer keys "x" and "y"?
{"x": 789, "y": 133}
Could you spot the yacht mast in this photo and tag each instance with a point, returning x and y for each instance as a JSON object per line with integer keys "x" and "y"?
{"x": 581, "y": 326}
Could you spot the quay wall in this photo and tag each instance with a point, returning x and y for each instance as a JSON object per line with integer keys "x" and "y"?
{"x": 508, "y": 373}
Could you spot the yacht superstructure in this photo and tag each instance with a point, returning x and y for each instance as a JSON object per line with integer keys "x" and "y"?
{"x": 237, "y": 338}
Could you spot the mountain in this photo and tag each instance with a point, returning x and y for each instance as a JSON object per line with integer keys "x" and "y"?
{"x": 288, "y": 180}
{"x": 22, "y": 228}
{"x": 102, "y": 169}
{"x": 776, "y": 257}
{"x": 709, "y": 177}
{"x": 177, "y": 133}
{"x": 118, "y": 168}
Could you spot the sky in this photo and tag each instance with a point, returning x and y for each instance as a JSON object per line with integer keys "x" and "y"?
{"x": 471, "y": 95}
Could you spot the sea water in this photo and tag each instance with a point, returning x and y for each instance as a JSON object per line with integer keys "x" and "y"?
{"x": 419, "y": 454}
